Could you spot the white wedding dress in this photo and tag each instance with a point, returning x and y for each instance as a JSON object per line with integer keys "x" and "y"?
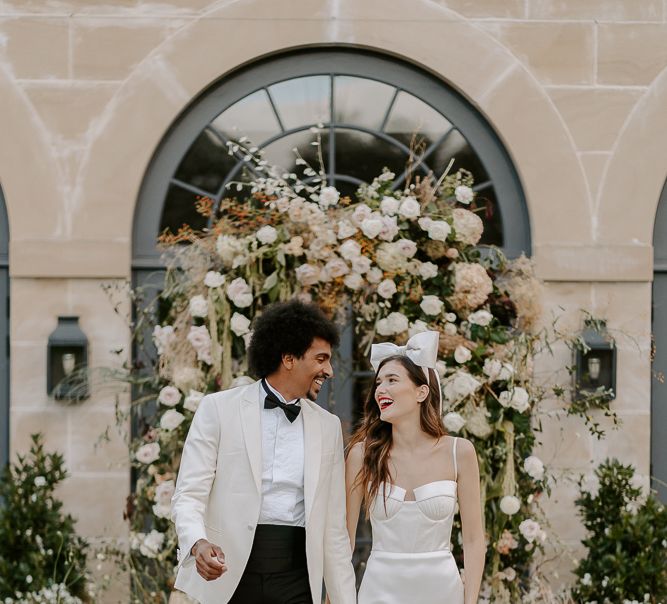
{"x": 411, "y": 560}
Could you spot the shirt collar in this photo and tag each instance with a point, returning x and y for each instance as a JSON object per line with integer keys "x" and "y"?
{"x": 280, "y": 396}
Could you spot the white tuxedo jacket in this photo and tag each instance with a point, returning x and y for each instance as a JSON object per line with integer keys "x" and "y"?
{"x": 218, "y": 495}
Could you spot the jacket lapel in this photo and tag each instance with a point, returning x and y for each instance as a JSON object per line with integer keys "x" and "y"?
{"x": 252, "y": 431}
{"x": 312, "y": 431}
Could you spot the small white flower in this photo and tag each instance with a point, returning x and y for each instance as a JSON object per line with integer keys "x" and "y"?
{"x": 464, "y": 194}
{"x": 393, "y": 324}
{"x": 350, "y": 249}
{"x": 239, "y": 324}
{"x": 266, "y": 235}
{"x": 450, "y": 329}
{"x": 406, "y": 247}
{"x": 510, "y": 505}
{"x": 462, "y": 355}
{"x": 239, "y": 292}
{"x": 371, "y": 227}
{"x": 198, "y": 306}
{"x": 28, "y": 579}
{"x": 454, "y": 421}
{"x": 361, "y": 264}
{"x": 346, "y": 229}
{"x": 171, "y": 419}
{"x": 214, "y": 279}
{"x": 329, "y": 196}
{"x": 389, "y": 205}
{"x": 162, "y": 337}
{"x": 307, "y": 274}
{"x": 361, "y": 212}
{"x": 480, "y": 317}
{"x": 40, "y": 481}
{"x": 152, "y": 544}
{"x": 450, "y": 317}
{"x": 386, "y": 289}
{"x": 439, "y": 230}
{"x": 409, "y": 208}
{"x": 294, "y": 247}
{"x": 148, "y": 453}
{"x": 354, "y": 281}
{"x": 459, "y": 386}
{"x": 428, "y": 270}
{"x": 587, "y": 580}
{"x": 389, "y": 228}
{"x": 169, "y": 396}
{"x": 534, "y": 467}
{"x": 517, "y": 398}
{"x": 336, "y": 267}
{"x": 431, "y": 305}
{"x": 424, "y": 223}
{"x": 374, "y": 275}
{"x": 192, "y": 400}
{"x": 531, "y": 531}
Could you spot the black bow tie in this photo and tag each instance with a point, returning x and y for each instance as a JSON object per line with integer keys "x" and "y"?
{"x": 272, "y": 401}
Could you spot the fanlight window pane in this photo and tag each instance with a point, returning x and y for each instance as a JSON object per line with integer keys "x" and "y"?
{"x": 363, "y": 155}
{"x": 303, "y": 100}
{"x": 281, "y": 152}
{"x": 252, "y": 117}
{"x": 361, "y": 102}
{"x": 179, "y": 209}
{"x": 206, "y": 163}
{"x": 410, "y": 115}
{"x": 457, "y": 148}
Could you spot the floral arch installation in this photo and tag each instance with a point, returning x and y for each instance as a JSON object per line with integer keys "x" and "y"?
{"x": 4, "y": 333}
{"x": 371, "y": 109}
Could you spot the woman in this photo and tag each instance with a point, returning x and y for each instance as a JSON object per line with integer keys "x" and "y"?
{"x": 407, "y": 474}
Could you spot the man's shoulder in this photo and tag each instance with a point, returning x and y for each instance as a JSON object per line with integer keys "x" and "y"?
{"x": 326, "y": 417}
{"x": 231, "y": 394}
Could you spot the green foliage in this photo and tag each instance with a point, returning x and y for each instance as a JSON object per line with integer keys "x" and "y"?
{"x": 39, "y": 547}
{"x": 627, "y": 541}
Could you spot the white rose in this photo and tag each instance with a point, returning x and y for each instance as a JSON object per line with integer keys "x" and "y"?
{"x": 506, "y": 372}
{"x": 162, "y": 337}
{"x": 169, "y": 396}
{"x": 398, "y": 322}
{"x": 531, "y": 531}
{"x": 162, "y": 510}
{"x": 198, "y": 306}
{"x": 428, "y": 270}
{"x": 409, "y": 208}
{"x": 431, "y": 305}
{"x": 374, "y": 275}
{"x": 214, "y": 279}
{"x": 406, "y": 247}
{"x": 228, "y": 248}
{"x": 266, "y": 235}
{"x": 152, "y": 544}
{"x": 239, "y": 292}
{"x": 389, "y": 206}
{"x": 171, "y": 419}
{"x": 386, "y": 289}
{"x": 517, "y": 398}
{"x": 468, "y": 226}
{"x": 346, "y": 229}
{"x": 534, "y": 467}
{"x": 336, "y": 267}
{"x": 192, "y": 400}
{"x": 480, "y": 317}
{"x": 148, "y": 453}
{"x": 424, "y": 223}
{"x": 361, "y": 212}
{"x": 460, "y": 385}
{"x": 454, "y": 421}
{"x": 441, "y": 368}
{"x": 200, "y": 339}
{"x": 390, "y": 259}
{"x": 361, "y": 264}
{"x": 510, "y": 505}
{"x": 40, "y": 481}
{"x": 164, "y": 491}
{"x": 294, "y": 247}
{"x": 439, "y": 230}
{"x": 371, "y": 227}
{"x": 329, "y": 196}
{"x": 239, "y": 324}
{"x": 389, "y": 228}
{"x": 417, "y": 327}
{"x": 350, "y": 249}
{"x": 462, "y": 354}
{"x": 307, "y": 274}
{"x": 492, "y": 368}
{"x": 464, "y": 194}
{"x": 354, "y": 281}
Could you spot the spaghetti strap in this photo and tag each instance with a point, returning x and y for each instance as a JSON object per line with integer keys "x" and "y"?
{"x": 456, "y": 473}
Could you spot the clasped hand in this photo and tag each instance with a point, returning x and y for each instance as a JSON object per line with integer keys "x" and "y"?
{"x": 209, "y": 558}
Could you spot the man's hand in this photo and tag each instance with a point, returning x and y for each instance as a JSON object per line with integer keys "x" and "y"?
{"x": 209, "y": 559}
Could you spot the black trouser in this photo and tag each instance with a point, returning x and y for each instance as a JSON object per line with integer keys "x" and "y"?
{"x": 276, "y": 572}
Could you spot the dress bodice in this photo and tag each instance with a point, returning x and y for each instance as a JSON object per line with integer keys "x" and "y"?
{"x": 423, "y": 525}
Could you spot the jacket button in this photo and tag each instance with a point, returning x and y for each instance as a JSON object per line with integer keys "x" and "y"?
{"x": 250, "y": 527}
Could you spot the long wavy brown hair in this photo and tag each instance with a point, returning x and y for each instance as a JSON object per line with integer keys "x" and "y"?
{"x": 376, "y": 435}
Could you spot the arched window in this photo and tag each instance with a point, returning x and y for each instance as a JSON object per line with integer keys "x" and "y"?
{"x": 4, "y": 334}
{"x": 658, "y": 386}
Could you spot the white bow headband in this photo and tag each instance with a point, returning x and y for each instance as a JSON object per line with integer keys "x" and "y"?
{"x": 421, "y": 349}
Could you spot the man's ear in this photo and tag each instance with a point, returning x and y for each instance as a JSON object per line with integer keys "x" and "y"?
{"x": 288, "y": 361}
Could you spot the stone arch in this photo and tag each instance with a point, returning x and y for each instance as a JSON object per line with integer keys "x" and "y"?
{"x": 469, "y": 60}
{"x": 4, "y": 333}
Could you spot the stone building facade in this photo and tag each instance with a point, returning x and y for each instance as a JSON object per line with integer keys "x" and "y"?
{"x": 575, "y": 91}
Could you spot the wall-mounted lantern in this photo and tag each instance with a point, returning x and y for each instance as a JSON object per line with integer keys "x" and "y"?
{"x": 595, "y": 362}
{"x": 67, "y": 361}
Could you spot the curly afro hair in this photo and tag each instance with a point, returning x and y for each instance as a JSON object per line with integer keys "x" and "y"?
{"x": 286, "y": 328}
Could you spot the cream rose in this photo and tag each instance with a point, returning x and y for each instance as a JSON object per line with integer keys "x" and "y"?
{"x": 510, "y": 505}
{"x": 389, "y": 228}
{"x": 406, "y": 247}
{"x": 438, "y": 230}
{"x": 389, "y": 206}
{"x": 361, "y": 264}
{"x": 169, "y": 396}
{"x": 214, "y": 279}
{"x": 239, "y": 324}
{"x": 431, "y": 305}
{"x": 336, "y": 267}
{"x": 371, "y": 226}
{"x": 409, "y": 208}
{"x": 162, "y": 337}
{"x": 329, "y": 196}
{"x": 346, "y": 229}
{"x": 171, "y": 419}
{"x": 464, "y": 194}
{"x": 531, "y": 531}
{"x": 148, "y": 453}
{"x": 239, "y": 292}
{"x": 428, "y": 270}
{"x": 462, "y": 355}
{"x": 390, "y": 259}
{"x": 454, "y": 421}
{"x": 534, "y": 467}
{"x": 307, "y": 274}
{"x": 266, "y": 235}
{"x": 374, "y": 275}
{"x": 460, "y": 385}
{"x": 468, "y": 226}
{"x": 198, "y": 306}
{"x": 350, "y": 249}
{"x": 480, "y": 317}
{"x": 393, "y": 324}
{"x": 516, "y": 398}
{"x": 192, "y": 400}
{"x": 386, "y": 289}
{"x": 354, "y": 281}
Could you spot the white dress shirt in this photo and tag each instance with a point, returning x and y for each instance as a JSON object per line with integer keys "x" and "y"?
{"x": 282, "y": 465}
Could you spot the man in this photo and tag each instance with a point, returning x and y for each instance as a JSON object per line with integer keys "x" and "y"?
{"x": 259, "y": 505}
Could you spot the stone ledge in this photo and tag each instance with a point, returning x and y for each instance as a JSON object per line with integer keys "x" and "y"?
{"x": 70, "y": 259}
{"x": 594, "y": 262}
